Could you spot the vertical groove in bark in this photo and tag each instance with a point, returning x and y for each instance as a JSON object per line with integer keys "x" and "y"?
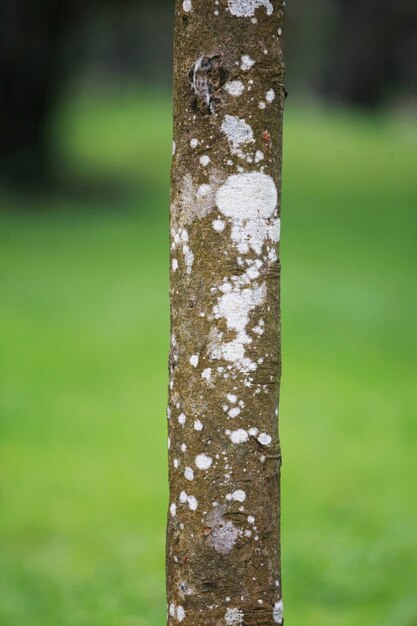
{"x": 223, "y": 540}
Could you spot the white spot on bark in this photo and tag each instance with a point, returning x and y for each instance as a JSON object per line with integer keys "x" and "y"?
{"x": 246, "y": 63}
{"x": 265, "y": 439}
{"x": 218, "y": 225}
{"x": 278, "y": 612}
{"x": 234, "y": 412}
{"x": 174, "y": 148}
{"x": 235, "y": 308}
{"x": 224, "y": 534}
{"x": 180, "y": 239}
{"x": 237, "y": 131}
{"x": 194, "y": 360}
{"x": 233, "y": 617}
{"x": 249, "y": 199}
{"x": 194, "y": 143}
{"x": 270, "y": 96}
{"x": 203, "y": 190}
{"x": 180, "y": 610}
{"x": 239, "y": 495}
{"x": 192, "y": 503}
{"x": 247, "y": 195}
{"x": 181, "y": 419}
{"x": 198, "y": 425}
{"x": 239, "y": 436}
{"x": 188, "y": 258}
{"x": 189, "y": 473}
{"x": 247, "y": 8}
{"x": 173, "y": 509}
{"x": 205, "y": 160}
{"x": 262, "y": 105}
{"x": 203, "y": 462}
{"x": 206, "y": 374}
{"x": 235, "y": 88}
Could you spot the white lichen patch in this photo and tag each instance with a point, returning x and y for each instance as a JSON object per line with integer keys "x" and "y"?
{"x": 238, "y": 133}
{"x": 265, "y": 439}
{"x": 194, "y": 360}
{"x": 187, "y": 6}
{"x": 203, "y": 462}
{"x": 180, "y": 241}
{"x": 247, "y": 8}
{"x": 192, "y": 503}
{"x": 206, "y": 374}
{"x": 180, "y": 614}
{"x": 176, "y": 612}
{"x": 246, "y": 196}
{"x": 235, "y": 88}
{"x": 224, "y": 534}
{"x": 204, "y": 160}
{"x": 278, "y": 612}
{"x": 189, "y": 473}
{"x": 181, "y": 419}
{"x": 235, "y": 307}
{"x": 246, "y": 63}
{"x": 203, "y": 190}
{"x": 194, "y": 201}
{"x": 198, "y": 425}
{"x": 239, "y": 436}
{"x": 233, "y": 617}
{"x": 218, "y": 225}
{"x": 250, "y": 200}
{"x": 270, "y": 96}
{"x": 239, "y": 496}
{"x": 173, "y": 509}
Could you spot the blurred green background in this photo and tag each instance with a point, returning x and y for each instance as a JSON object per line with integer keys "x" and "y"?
{"x": 84, "y": 333}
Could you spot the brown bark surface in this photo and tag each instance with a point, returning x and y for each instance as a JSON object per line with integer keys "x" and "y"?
{"x": 223, "y": 542}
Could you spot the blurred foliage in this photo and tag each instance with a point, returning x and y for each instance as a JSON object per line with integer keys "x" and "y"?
{"x": 84, "y": 337}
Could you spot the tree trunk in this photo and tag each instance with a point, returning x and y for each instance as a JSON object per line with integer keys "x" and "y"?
{"x": 223, "y": 543}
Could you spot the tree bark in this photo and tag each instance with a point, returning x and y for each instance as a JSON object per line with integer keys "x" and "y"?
{"x": 223, "y": 539}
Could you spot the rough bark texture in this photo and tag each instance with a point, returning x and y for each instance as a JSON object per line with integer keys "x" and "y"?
{"x": 223, "y": 544}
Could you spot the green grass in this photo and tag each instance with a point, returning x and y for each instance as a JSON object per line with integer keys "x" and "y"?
{"x": 84, "y": 339}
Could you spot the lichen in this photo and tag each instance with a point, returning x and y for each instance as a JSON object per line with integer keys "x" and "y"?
{"x": 278, "y": 612}
{"x": 247, "y": 8}
{"x": 233, "y": 617}
{"x": 224, "y": 534}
